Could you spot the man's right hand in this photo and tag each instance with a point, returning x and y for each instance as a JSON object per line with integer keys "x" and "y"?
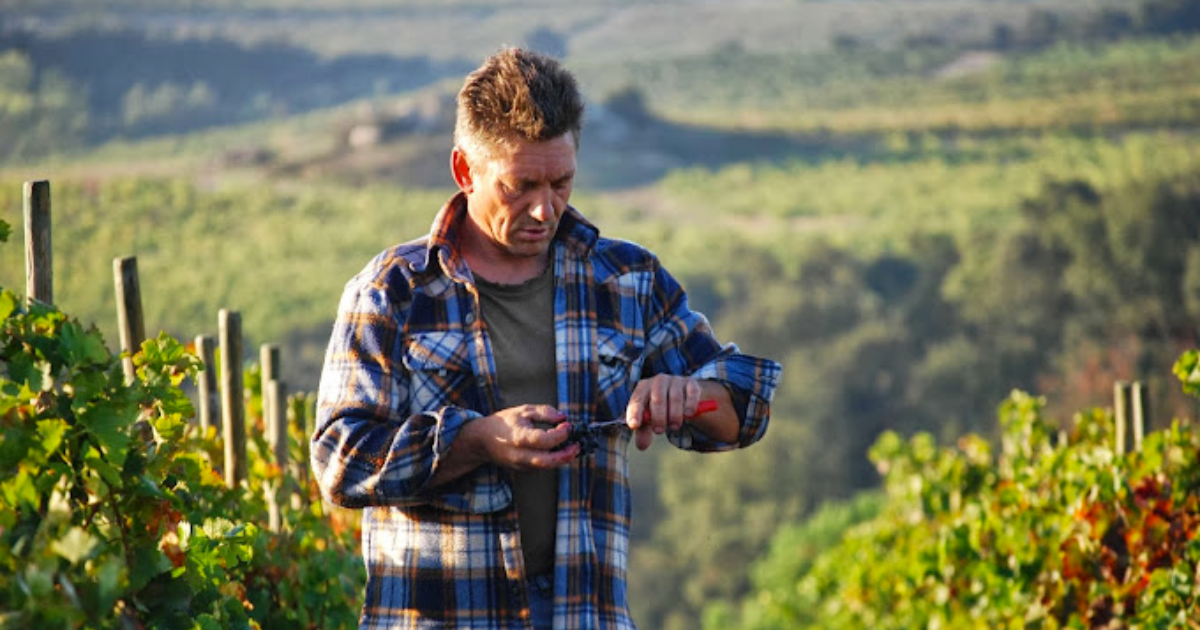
{"x": 510, "y": 438}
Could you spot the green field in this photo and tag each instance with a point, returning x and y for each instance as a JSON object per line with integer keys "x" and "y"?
{"x": 916, "y": 206}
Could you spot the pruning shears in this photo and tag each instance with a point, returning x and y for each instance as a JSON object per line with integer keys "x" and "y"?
{"x": 587, "y": 436}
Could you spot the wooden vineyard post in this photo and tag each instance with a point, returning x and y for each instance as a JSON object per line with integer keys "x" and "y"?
{"x": 129, "y": 311}
{"x": 275, "y": 424}
{"x": 1138, "y": 399}
{"x": 233, "y": 409}
{"x": 268, "y": 358}
{"x": 1121, "y": 397}
{"x": 39, "y": 262}
{"x": 207, "y": 387}
{"x": 298, "y": 412}
{"x": 277, "y": 437}
{"x": 268, "y": 355}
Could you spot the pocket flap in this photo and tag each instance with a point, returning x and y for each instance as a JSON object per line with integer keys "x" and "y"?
{"x": 438, "y": 351}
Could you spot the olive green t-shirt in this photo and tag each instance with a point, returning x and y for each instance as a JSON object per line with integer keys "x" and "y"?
{"x": 520, "y": 325}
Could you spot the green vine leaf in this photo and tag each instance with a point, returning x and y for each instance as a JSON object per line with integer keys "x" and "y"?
{"x": 148, "y": 563}
{"x": 108, "y": 425}
{"x": 8, "y": 303}
{"x": 15, "y": 443}
{"x": 75, "y": 546}
{"x": 1187, "y": 368}
{"x": 50, "y": 433}
{"x": 19, "y": 491}
{"x": 108, "y": 472}
{"x": 82, "y": 347}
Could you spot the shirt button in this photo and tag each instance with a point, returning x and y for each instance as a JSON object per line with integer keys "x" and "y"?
{"x": 470, "y": 318}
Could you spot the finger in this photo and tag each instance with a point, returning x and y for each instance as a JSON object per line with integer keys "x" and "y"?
{"x": 539, "y": 427}
{"x": 538, "y": 415}
{"x": 544, "y": 437}
{"x": 547, "y": 413}
{"x": 636, "y": 410}
{"x": 645, "y": 437}
{"x": 661, "y": 399}
{"x": 676, "y": 403}
{"x": 553, "y": 459}
{"x": 689, "y": 400}
{"x": 695, "y": 394}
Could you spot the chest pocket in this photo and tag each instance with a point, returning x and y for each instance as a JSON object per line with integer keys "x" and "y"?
{"x": 439, "y": 371}
{"x": 620, "y": 367}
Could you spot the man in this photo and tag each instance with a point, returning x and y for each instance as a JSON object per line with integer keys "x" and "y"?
{"x": 460, "y": 362}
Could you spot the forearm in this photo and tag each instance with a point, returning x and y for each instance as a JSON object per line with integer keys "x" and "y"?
{"x": 359, "y": 461}
{"x": 753, "y": 381}
{"x": 465, "y": 455}
{"x": 722, "y": 424}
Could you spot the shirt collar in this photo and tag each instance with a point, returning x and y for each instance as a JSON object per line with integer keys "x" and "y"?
{"x": 574, "y": 232}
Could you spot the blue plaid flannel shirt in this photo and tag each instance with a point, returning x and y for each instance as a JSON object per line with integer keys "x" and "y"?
{"x": 409, "y": 363}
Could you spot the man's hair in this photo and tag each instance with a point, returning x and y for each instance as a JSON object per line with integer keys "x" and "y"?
{"x": 516, "y": 95}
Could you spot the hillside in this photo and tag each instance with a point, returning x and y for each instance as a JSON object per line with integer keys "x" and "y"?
{"x": 133, "y": 69}
{"x": 589, "y": 30}
{"x": 916, "y": 206}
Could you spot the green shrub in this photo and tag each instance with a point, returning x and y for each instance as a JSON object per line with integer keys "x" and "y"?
{"x": 112, "y": 514}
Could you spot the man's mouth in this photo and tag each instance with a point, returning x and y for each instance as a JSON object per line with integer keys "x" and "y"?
{"x": 536, "y": 233}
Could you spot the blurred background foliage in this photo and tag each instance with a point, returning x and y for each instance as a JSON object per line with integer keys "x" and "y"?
{"x": 915, "y": 205}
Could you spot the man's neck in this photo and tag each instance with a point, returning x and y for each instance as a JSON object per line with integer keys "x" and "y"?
{"x": 500, "y": 268}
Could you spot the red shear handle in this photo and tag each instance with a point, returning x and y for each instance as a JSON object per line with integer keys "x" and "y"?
{"x": 703, "y": 407}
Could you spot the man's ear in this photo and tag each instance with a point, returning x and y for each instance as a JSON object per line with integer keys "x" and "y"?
{"x": 460, "y": 168}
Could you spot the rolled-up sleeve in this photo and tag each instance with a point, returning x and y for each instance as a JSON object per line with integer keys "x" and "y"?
{"x": 370, "y": 448}
{"x": 683, "y": 343}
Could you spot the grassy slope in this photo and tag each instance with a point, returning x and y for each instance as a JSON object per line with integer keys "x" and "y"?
{"x": 1015, "y": 125}
{"x": 216, "y": 237}
{"x": 906, "y": 179}
{"x": 1128, "y": 83}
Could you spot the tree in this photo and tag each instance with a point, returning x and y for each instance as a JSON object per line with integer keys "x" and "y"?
{"x": 1043, "y": 28}
{"x": 40, "y": 112}
{"x": 1171, "y": 16}
{"x": 630, "y": 104}
{"x": 547, "y": 41}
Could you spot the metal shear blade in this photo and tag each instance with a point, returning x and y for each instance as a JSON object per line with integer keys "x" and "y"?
{"x": 607, "y": 423}
{"x": 705, "y": 406}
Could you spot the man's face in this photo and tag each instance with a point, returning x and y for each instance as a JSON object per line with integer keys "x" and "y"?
{"x": 516, "y": 198}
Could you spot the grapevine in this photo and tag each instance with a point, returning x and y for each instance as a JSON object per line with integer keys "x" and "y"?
{"x": 113, "y": 514}
{"x": 1056, "y": 530}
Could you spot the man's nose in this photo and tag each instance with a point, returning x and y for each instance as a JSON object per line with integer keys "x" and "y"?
{"x": 543, "y": 207}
